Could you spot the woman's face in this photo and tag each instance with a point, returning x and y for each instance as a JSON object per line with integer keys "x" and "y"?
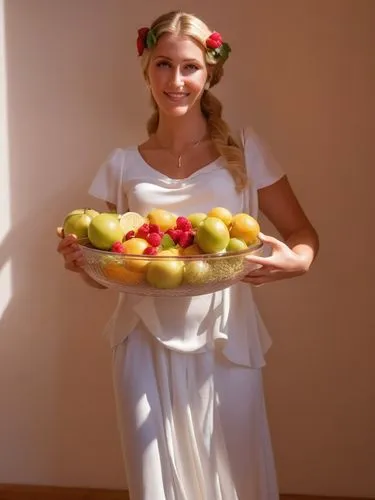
{"x": 177, "y": 74}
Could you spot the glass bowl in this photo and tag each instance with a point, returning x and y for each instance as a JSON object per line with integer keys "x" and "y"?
{"x": 168, "y": 275}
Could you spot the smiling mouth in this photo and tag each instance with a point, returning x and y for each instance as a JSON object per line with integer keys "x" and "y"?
{"x": 176, "y": 96}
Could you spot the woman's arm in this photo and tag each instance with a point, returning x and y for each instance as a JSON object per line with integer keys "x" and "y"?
{"x": 279, "y": 204}
{"x": 294, "y": 255}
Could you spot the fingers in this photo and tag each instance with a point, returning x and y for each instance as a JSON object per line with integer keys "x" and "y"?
{"x": 274, "y": 242}
{"x": 262, "y": 271}
{"x": 256, "y": 259}
{"x": 71, "y": 252}
{"x": 60, "y": 232}
{"x": 261, "y": 276}
{"x": 73, "y": 256}
{"x": 66, "y": 242}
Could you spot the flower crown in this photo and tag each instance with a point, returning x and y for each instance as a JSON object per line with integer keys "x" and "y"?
{"x": 216, "y": 48}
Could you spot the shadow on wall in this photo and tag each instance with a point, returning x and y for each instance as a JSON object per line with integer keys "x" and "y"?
{"x": 51, "y": 352}
{"x": 57, "y": 398}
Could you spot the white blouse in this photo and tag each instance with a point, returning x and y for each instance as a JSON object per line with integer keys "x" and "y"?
{"x": 229, "y": 318}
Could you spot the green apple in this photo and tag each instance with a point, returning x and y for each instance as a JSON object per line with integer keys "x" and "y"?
{"x": 104, "y": 230}
{"x": 165, "y": 274}
{"x": 235, "y": 245}
{"x": 212, "y": 235}
{"x": 77, "y": 222}
{"x": 197, "y": 272}
{"x": 196, "y": 218}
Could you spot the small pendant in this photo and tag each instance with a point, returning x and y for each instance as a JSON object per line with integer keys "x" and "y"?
{"x": 179, "y": 165}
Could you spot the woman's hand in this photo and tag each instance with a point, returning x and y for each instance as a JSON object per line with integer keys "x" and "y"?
{"x": 283, "y": 263}
{"x": 69, "y": 249}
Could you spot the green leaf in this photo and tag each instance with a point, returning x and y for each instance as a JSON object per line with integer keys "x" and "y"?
{"x": 151, "y": 39}
{"x": 167, "y": 242}
{"x": 225, "y": 51}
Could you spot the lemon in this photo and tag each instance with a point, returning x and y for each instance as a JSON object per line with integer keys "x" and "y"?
{"x": 131, "y": 221}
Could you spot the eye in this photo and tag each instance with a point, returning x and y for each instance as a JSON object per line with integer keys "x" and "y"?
{"x": 192, "y": 67}
{"x": 163, "y": 64}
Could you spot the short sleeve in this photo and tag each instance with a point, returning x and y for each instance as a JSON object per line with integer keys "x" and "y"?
{"x": 262, "y": 167}
{"x": 107, "y": 182}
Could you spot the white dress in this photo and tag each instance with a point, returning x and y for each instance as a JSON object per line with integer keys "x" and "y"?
{"x": 186, "y": 370}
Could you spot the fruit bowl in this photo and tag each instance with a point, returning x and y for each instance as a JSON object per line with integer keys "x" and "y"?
{"x": 171, "y": 275}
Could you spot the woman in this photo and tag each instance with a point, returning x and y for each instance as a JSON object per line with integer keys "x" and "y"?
{"x": 187, "y": 371}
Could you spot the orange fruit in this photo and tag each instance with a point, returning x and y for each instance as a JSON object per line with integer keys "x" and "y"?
{"x": 244, "y": 227}
{"x": 170, "y": 251}
{"x": 119, "y": 273}
{"x": 135, "y": 246}
{"x": 221, "y": 213}
{"x": 164, "y": 219}
{"x": 191, "y": 250}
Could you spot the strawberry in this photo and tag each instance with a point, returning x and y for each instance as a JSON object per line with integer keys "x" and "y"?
{"x": 153, "y": 239}
{"x": 183, "y": 223}
{"x": 117, "y": 247}
{"x": 150, "y": 251}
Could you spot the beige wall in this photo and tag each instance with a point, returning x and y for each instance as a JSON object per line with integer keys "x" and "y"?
{"x": 301, "y": 74}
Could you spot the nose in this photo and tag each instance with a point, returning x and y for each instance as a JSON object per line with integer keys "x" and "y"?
{"x": 177, "y": 79}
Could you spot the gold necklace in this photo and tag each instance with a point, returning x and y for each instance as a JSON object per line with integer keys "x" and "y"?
{"x": 179, "y": 156}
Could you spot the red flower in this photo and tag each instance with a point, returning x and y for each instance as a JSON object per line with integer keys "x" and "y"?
{"x": 141, "y": 40}
{"x": 214, "y": 41}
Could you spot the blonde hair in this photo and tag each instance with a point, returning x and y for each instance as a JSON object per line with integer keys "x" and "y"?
{"x": 181, "y": 23}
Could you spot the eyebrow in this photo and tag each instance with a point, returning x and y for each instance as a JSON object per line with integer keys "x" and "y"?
{"x": 184, "y": 60}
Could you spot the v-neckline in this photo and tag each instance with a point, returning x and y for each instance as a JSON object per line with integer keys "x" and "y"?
{"x": 201, "y": 170}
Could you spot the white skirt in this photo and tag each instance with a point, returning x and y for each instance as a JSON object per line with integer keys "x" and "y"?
{"x": 192, "y": 426}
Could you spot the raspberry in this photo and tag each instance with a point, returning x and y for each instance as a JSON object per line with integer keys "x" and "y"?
{"x": 143, "y": 231}
{"x": 129, "y": 235}
{"x": 183, "y": 223}
{"x": 153, "y": 239}
{"x": 154, "y": 228}
{"x": 186, "y": 239}
{"x": 175, "y": 234}
{"x": 117, "y": 247}
{"x": 150, "y": 251}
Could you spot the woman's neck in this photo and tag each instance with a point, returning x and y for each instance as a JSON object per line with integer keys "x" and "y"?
{"x": 178, "y": 133}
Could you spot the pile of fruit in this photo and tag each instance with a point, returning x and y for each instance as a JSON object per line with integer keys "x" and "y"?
{"x": 162, "y": 233}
